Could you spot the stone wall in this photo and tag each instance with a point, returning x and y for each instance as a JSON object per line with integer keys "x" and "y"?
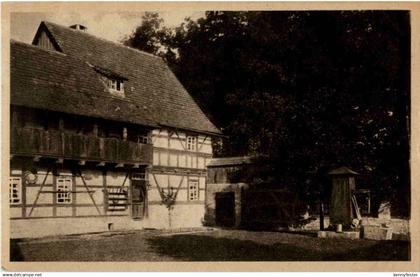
{"x": 210, "y": 203}
{"x": 399, "y": 226}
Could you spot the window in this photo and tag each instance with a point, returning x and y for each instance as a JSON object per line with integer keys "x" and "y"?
{"x": 143, "y": 139}
{"x": 116, "y": 86}
{"x": 139, "y": 176}
{"x": 15, "y": 190}
{"x": 191, "y": 143}
{"x": 193, "y": 190}
{"x": 64, "y": 189}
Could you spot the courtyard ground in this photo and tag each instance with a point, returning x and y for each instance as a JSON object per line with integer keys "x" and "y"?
{"x": 205, "y": 245}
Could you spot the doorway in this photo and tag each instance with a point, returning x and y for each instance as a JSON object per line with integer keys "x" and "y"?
{"x": 225, "y": 209}
{"x": 138, "y": 196}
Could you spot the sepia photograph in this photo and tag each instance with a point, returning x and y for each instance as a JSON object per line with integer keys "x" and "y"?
{"x": 207, "y": 135}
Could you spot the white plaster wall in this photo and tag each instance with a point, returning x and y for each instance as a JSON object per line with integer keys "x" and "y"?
{"x": 202, "y": 182}
{"x": 207, "y": 148}
{"x": 44, "y": 198}
{"x": 182, "y": 160}
{"x": 177, "y": 141}
{"x": 64, "y": 211}
{"x": 84, "y": 198}
{"x": 159, "y": 141}
{"x": 42, "y": 212}
{"x": 15, "y": 211}
{"x": 187, "y": 216}
{"x": 201, "y": 163}
{"x": 15, "y": 172}
{"x": 153, "y": 194}
{"x": 92, "y": 178}
{"x": 173, "y": 160}
{"x": 182, "y": 216}
{"x": 41, "y": 177}
{"x": 88, "y": 211}
{"x": 117, "y": 179}
{"x": 164, "y": 158}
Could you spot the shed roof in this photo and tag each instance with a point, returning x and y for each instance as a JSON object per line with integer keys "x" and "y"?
{"x": 153, "y": 95}
{"x": 229, "y": 161}
{"x": 344, "y": 170}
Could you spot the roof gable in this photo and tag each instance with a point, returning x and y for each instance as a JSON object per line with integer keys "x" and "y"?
{"x": 150, "y": 83}
{"x": 43, "y": 36}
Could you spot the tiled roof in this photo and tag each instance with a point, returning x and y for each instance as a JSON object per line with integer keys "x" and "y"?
{"x": 51, "y": 80}
{"x": 152, "y": 92}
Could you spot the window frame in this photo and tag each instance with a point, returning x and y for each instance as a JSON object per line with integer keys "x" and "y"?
{"x": 18, "y": 188}
{"x": 116, "y": 86}
{"x": 139, "y": 176}
{"x": 69, "y": 190}
{"x": 143, "y": 139}
{"x": 195, "y": 190}
{"x": 192, "y": 142}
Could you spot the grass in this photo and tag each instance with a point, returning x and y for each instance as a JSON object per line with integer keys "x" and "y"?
{"x": 223, "y": 245}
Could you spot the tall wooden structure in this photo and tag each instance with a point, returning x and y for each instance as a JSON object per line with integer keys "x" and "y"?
{"x": 341, "y": 203}
{"x": 99, "y": 133}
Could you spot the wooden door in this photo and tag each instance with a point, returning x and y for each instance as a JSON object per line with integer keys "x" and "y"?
{"x": 138, "y": 199}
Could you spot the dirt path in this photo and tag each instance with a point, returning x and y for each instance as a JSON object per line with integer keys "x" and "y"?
{"x": 218, "y": 245}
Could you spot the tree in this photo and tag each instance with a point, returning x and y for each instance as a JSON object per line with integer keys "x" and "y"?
{"x": 309, "y": 90}
{"x": 149, "y": 35}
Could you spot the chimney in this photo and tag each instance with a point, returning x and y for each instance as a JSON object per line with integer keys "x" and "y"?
{"x": 79, "y": 27}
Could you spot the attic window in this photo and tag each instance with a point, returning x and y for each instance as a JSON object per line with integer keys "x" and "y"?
{"x": 113, "y": 80}
{"x": 116, "y": 86}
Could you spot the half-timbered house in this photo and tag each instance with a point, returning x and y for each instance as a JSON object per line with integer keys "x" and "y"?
{"x": 102, "y": 137}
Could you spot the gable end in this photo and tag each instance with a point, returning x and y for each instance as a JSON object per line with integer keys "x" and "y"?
{"x": 44, "y": 39}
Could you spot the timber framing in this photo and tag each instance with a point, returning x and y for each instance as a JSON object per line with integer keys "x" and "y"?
{"x": 81, "y": 153}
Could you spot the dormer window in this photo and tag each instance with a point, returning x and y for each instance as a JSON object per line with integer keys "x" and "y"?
{"x": 113, "y": 81}
{"x": 116, "y": 86}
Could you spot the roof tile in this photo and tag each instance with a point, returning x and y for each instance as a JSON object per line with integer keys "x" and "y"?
{"x": 150, "y": 85}
{"x": 68, "y": 82}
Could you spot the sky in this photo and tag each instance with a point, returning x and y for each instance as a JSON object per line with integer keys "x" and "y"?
{"x": 112, "y": 26}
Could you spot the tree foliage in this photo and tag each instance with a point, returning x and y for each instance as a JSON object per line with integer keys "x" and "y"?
{"x": 309, "y": 90}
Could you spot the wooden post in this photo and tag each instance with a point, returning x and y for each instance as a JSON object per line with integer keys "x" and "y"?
{"x": 39, "y": 192}
{"x": 124, "y": 134}
{"x": 321, "y": 216}
{"x": 95, "y": 130}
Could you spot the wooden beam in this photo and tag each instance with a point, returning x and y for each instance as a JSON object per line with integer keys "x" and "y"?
{"x": 39, "y": 192}
{"x": 153, "y": 138}
{"x": 181, "y": 140}
{"x": 201, "y": 146}
{"x": 90, "y": 194}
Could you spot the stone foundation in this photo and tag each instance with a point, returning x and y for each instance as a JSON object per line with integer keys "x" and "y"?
{"x": 377, "y": 232}
{"x": 343, "y": 235}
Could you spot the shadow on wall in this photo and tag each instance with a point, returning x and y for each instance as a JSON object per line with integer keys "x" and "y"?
{"x": 206, "y": 248}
